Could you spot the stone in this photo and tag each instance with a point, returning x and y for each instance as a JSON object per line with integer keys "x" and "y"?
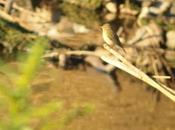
{"x": 111, "y": 7}
{"x": 170, "y": 39}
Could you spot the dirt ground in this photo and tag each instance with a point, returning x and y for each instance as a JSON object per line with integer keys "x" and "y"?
{"x": 134, "y": 108}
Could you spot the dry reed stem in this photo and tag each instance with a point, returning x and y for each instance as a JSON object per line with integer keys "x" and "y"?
{"x": 120, "y": 62}
{"x": 161, "y": 77}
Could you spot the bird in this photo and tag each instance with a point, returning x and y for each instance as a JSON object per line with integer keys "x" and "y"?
{"x": 111, "y": 38}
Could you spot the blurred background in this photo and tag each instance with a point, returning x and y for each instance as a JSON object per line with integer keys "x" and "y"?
{"x": 52, "y": 77}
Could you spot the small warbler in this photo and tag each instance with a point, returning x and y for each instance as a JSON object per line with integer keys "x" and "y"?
{"x": 111, "y": 38}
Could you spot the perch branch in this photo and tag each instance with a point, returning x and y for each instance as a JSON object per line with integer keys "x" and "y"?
{"x": 120, "y": 62}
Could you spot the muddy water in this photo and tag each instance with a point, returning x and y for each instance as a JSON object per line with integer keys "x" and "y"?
{"x": 134, "y": 108}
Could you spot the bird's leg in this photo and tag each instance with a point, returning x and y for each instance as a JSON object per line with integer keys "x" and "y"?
{"x": 114, "y": 77}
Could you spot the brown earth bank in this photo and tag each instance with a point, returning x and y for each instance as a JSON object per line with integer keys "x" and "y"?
{"x": 134, "y": 108}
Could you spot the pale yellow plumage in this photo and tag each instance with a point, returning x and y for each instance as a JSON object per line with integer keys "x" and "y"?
{"x": 110, "y": 37}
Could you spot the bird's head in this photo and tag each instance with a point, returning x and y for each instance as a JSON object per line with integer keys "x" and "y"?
{"x": 106, "y": 26}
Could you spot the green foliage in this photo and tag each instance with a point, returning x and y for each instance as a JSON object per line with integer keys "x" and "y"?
{"x": 165, "y": 24}
{"x": 67, "y": 117}
{"x": 16, "y": 98}
{"x": 16, "y": 109}
{"x": 12, "y": 36}
{"x": 144, "y": 21}
{"x": 88, "y": 4}
{"x": 89, "y": 18}
{"x": 32, "y": 63}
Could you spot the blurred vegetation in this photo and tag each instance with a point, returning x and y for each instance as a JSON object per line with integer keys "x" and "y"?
{"x": 16, "y": 109}
{"x": 165, "y": 24}
{"x": 88, "y": 4}
{"x": 89, "y": 18}
{"x": 13, "y": 37}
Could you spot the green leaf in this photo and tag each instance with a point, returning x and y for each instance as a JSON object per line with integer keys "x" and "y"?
{"x": 45, "y": 110}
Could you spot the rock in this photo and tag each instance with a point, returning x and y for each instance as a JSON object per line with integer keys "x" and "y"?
{"x": 111, "y": 7}
{"x": 170, "y": 39}
{"x": 149, "y": 35}
{"x": 172, "y": 9}
{"x": 162, "y": 7}
{"x": 79, "y": 28}
{"x": 62, "y": 60}
{"x": 53, "y": 32}
{"x": 109, "y": 17}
